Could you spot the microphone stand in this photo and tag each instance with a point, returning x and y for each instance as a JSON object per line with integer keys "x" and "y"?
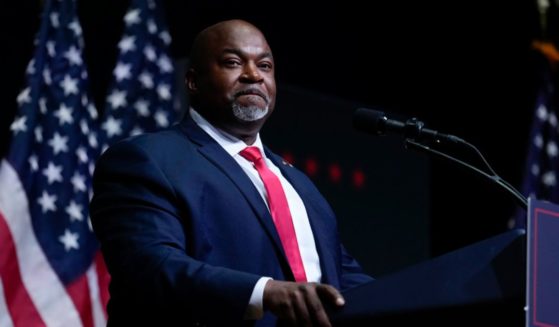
{"x": 520, "y": 199}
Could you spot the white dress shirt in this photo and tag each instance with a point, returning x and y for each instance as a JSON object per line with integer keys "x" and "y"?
{"x": 303, "y": 231}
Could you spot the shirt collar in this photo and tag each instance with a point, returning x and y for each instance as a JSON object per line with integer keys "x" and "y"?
{"x": 228, "y": 142}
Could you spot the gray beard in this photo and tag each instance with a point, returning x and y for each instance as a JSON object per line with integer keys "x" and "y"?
{"x": 250, "y": 113}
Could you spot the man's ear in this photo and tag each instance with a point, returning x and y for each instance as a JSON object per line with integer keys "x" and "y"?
{"x": 190, "y": 81}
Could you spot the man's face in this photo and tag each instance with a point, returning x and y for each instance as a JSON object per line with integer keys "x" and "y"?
{"x": 237, "y": 82}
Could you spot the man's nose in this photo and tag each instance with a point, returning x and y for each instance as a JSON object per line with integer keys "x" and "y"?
{"x": 251, "y": 73}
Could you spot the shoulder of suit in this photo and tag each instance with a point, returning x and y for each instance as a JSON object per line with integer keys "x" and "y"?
{"x": 158, "y": 141}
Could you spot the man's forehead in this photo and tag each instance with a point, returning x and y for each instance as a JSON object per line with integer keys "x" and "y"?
{"x": 255, "y": 50}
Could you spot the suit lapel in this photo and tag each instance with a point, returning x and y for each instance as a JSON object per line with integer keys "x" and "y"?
{"x": 210, "y": 149}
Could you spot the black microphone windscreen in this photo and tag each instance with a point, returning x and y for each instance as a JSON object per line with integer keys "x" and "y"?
{"x": 369, "y": 120}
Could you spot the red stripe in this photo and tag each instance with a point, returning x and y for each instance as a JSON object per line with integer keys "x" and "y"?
{"x": 104, "y": 278}
{"x": 80, "y": 294}
{"x": 22, "y": 309}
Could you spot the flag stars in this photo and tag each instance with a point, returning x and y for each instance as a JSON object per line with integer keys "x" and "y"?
{"x": 51, "y": 49}
{"x": 74, "y": 210}
{"x": 164, "y": 91}
{"x": 142, "y": 108}
{"x": 127, "y": 44}
{"x": 75, "y": 27}
{"x": 24, "y": 96}
{"x": 53, "y": 173}
{"x": 18, "y": 125}
{"x": 81, "y": 153}
{"x": 54, "y": 20}
{"x": 535, "y": 169}
{"x": 43, "y": 105}
{"x": 92, "y": 140}
{"x": 38, "y": 134}
{"x": 70, "y": 240}
{"x": 47, "y": 202}
{"x": 112, "y": 126}
{"x": 92, "y": 111}
{"x": 70, "y": 85}
{"x": 117, "y": 99}
{"x": 549, "y": 179}
{"x": 146, "y": 80}
{"x": 552, "y": 119}
{"x": 541, "y": 112}
{"x": 165, "y": 64}
{"x": 166, "y": 37}
{"x": 84, "y": 127}
{"x": 152, "y": 27}
{"x": 64, "y": 115}
{"x": 46, "y": 76}
{"x": 136, "y": 131}
{"x": 132, "y": 17}
{"x": 31, "y": 67}
{"x": 33, "y": 163}
{"x": 161, "y": 119}
{"x": 122, "y": 71}
{"x": 74, "y": 56}
{"x": 538, "y": 141}
{"x": 78, "y": 181}
{"x": 551, "y": 149}
{"x": 149, "y": 52}
{"x": 58, "y": 143}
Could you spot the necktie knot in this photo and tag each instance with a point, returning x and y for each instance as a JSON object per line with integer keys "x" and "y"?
{"x": 251, "y": 153}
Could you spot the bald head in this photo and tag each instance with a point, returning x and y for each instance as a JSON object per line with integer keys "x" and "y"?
{"x": 217, "y": 34}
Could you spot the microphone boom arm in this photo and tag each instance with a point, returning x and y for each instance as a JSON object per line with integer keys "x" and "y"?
{"x": 520, "y": 199}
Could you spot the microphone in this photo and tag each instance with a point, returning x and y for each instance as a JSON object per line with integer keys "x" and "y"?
{"x": 375, "y": 122}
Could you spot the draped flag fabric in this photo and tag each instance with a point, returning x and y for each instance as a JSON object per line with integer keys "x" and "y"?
{"x": 47, "y": 263}
{"x": 542, "y": 164}
{"x": 141, "y": 97}
{"x": 51, "y": 271}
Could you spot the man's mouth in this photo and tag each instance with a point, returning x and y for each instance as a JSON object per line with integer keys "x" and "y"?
{"x": 253, "y": 92}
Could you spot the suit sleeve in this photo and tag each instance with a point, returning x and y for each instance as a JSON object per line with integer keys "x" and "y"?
{"x": 352, "y": 273}
{"x": 143, "y": 234}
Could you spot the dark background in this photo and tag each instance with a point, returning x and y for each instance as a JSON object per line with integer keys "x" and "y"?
{"x": 464, "y": 68}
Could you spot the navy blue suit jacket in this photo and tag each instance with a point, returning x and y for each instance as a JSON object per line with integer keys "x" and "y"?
{"x": 186, "y": 235}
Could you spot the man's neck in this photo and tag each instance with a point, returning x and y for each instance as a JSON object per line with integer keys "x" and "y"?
{"x": 231, "y": 131}
{"x": 245, "y": 132}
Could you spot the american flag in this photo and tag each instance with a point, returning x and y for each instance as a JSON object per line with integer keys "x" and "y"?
{"x": 542, "y": 164}
{"x": 141, "y": 97}
{"x": 51, "y": 272}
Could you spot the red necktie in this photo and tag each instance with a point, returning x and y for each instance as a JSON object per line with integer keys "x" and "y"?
{"x": 279, "y": 210}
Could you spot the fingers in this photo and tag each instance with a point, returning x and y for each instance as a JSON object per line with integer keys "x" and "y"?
{"x": 277, "y": 299}
{"x": 330, "y": 294}
{"x": 301, "y": 304}
{"x": 316, "y": 308}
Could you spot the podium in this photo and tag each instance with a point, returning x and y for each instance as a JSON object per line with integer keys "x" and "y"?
{"x": 478, "y": 285}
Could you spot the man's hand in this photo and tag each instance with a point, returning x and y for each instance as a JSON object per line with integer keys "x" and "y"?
{"x": 301, "y": 304}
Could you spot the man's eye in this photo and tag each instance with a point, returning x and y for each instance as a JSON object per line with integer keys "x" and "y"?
{"x": 232, "y": 63}
{"x": 265, "y": 66}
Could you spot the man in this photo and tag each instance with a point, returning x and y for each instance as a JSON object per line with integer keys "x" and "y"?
{"x": 197, "y": 228}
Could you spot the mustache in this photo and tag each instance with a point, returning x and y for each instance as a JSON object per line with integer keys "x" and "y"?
{"x": 253, "y": 91}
